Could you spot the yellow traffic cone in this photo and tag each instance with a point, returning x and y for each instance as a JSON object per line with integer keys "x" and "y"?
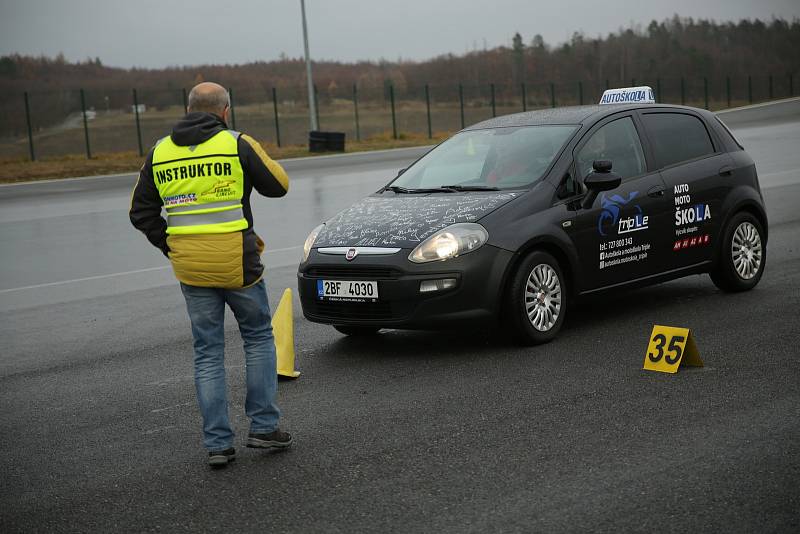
{"x": 283, "y": 330}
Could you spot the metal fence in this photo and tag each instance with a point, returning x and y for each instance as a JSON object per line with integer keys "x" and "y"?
{"x": 88, "y": 122}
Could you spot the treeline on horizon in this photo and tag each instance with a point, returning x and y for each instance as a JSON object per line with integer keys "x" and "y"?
{"x": 668, "y": 49}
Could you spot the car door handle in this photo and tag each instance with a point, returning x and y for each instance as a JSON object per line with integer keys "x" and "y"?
{"x": 655, "y": 192}
{"x": 727, "y": 170}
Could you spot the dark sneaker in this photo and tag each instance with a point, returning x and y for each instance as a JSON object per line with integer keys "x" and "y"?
{"x": 221, "y": 458}
{"x": 277, "y": 439}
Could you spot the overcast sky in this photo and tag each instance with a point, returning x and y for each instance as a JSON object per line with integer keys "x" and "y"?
{"x": 157, "y": 33}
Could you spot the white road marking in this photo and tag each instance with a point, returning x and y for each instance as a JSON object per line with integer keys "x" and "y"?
{"x": 88, "y": 278}
{"x": 67, "y": 180}
{"x": 761, "y": 105}
{"x": 114, "y": 275}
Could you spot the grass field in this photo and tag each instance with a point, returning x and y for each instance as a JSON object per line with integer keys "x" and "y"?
{"x": 22, "y": 170}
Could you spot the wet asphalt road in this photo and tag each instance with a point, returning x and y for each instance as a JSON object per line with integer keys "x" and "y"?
{"x": 408, "y": 431}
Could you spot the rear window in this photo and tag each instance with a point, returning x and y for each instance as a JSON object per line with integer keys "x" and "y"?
{"x": 677, "y": 137}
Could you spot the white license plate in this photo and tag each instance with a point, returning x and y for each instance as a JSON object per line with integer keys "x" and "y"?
{"x": 357, "y": 290}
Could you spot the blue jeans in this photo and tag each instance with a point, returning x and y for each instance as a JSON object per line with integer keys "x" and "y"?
{"x": 206, "y": 308}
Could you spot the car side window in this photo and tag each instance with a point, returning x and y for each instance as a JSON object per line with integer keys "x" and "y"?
{"x": 618, "y": 142}
{"x": 677, "y": 137}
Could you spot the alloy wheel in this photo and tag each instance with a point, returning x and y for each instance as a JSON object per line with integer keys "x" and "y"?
{"x": 746, "y": 250}
{"x": 543, "y": 297}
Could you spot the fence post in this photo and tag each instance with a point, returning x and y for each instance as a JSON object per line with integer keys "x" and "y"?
{"x": 233, "y": 111}
{"x": 791, "y": 84}
{"x": 770, "y": 86}
{"x": 552, "y": 95}
{"x": 461, "y": 101}
{"x": 608, "y": 84}
{"x": 275, "y": 112}
{"x": 494, "y": 108}
{"x": 728, "y": 89}
{"x": 705, "y": 90}
{"x": 138, "y": 125}
{"x": 316, "y": 105}
{"x": 30, "y": 129}
{"x": 524, "y": 98}
{"x": 428, "y": 106}
{"x": 185, "y": 102}
{"x": 355, "y": 108}
{"x": 633, "y": 82}
{"x": 683, "y": 91}
{"x": 658, "y": 90}
{"x": 85, "y": 126}
{"x": 750, "y": 88}
{"x": 580, "y": 93}
{"x": 394, "y": 116}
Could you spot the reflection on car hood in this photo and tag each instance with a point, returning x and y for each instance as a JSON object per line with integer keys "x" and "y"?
{"x": 404, "y": 221}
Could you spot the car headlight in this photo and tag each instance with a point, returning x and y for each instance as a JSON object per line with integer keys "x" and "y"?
{"x": 455, "y": 240}
{"x": 310, "y": 241}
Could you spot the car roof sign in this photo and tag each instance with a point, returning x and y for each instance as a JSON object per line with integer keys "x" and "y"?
{"x": 629, "y": 95}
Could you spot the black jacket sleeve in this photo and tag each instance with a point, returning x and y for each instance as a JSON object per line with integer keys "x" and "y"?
{"x": 145, "y": 212}
{"x": 264, "y": 173}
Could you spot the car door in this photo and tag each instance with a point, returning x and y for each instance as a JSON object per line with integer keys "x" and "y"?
{"x": 622, "y": 236}
{"x": 693, "y": 167}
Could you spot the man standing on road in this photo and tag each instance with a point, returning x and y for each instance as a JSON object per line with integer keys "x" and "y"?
{"x": 202, "y": 175}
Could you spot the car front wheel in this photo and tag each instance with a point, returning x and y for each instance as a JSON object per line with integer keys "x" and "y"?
{"x": 536, "y": 302}
{"x": 743, "y": 254}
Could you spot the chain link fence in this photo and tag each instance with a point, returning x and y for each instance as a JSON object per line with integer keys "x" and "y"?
{"x": 80, "y": 123}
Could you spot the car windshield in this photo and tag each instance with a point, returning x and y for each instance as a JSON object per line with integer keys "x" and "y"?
{"x": 496, "y": 158}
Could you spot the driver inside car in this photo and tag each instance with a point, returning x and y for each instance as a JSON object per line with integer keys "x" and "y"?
{"x": 512, "y": 163}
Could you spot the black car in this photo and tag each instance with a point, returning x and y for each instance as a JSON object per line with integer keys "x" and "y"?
{"x": 511, "y": 218}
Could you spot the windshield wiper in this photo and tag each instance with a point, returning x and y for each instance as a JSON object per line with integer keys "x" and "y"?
{"x": 470, "y": 188}
{"x": 405, "y": 190}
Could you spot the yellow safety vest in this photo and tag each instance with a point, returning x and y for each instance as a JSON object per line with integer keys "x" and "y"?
{"x": 201, "y": 186}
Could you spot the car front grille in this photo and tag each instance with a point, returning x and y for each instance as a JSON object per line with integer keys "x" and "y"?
{"x": 349, "y": 311}
{"x": 353, "y": 273}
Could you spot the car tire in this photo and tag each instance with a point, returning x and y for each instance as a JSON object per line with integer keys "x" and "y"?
{"x": 356, "y": 330}
{"x": 742, "y": 254}
{"x": 536, "y": 302}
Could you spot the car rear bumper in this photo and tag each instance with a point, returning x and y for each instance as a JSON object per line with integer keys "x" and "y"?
{"x": 479, "y": 279}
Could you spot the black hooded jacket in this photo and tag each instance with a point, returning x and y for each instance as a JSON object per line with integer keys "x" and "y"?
{"x": 260, "y": 172}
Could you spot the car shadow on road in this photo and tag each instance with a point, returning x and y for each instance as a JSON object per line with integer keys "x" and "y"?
{"x": 419, "y": 343}
{"x": 620, "y": 311}
{"x": 626, "y": 305}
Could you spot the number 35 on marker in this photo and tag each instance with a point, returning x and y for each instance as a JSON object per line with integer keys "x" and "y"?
{"x": 669, "y": 347}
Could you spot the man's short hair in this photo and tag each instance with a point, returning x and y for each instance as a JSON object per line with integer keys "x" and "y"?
{"x": 208, "y": 101}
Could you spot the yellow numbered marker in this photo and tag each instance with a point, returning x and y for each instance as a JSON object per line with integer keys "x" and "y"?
{"x": 669, "y": 347}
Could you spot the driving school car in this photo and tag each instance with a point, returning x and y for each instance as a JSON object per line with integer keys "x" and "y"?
{"x": 510, "y": 219}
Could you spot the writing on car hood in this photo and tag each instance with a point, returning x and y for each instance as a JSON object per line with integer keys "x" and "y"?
{"x": 404, "y": 221}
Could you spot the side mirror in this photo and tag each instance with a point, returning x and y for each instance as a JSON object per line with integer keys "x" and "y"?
{"x": 602, "y": 179}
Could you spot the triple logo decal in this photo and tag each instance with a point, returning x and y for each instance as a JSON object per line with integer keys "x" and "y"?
{"x": 611, "y": 215}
